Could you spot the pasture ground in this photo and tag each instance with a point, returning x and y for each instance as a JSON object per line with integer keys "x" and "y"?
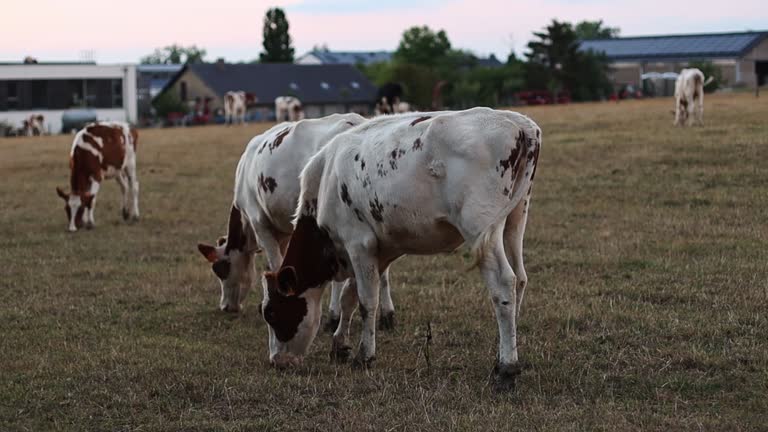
{"x": 647, "y": 307}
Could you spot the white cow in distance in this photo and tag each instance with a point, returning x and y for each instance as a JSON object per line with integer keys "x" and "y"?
{"x": 236, "y": 106}
{"x": 417, "y": 184}
{"x": 265, "y": 199}
{"x": 288, "y": 107}
{"x": 689, "y": 97}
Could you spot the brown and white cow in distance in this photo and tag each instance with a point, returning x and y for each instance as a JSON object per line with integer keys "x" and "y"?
{"x": 101, "y": 151}
{"x": 236, "y": 105}
{"x": 265, "y": 200}
{"x": 689, "y": 97}
{"x": 417, "y": 184}
{"x": 34, "y": 125}
{"x": 290, "y": 107}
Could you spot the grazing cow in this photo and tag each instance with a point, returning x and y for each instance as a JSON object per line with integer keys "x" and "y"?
{"x": 689, "y": 97}
{"x": 265, "y": 200}
{"x": 101, "y": 151}
{"x": 34, "y": 125}
{"x": 431, "y": 182}
{"x": 387, "y": 96}
{"x": 290, "y": 107}
{"x": 236, "y": 105}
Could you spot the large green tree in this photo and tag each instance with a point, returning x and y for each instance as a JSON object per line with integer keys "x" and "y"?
{"x": 556, "y": 64}
{"x": 595, "y": 30}
{"x": 277, "y": 40}
{"x": 175, "y": 54}
{"x": 423, "y": 46}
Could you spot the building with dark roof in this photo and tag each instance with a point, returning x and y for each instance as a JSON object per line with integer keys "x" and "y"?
{"x": 741, "y": 57}
{"x": 344, "y": 57}
{"x": 322, "y": 89}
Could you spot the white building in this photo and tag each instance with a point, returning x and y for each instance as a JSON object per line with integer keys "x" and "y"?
{"x": 52, "y": 88}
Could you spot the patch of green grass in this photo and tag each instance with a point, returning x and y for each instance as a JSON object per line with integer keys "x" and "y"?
{"x": 646, "y": 310}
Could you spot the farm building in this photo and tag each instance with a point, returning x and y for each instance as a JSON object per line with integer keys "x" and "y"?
{"x": 323, "y": 89}
{"x": 151, "y": 78}
{"x": 319, "y": 56}
{"x": 52, "y": 88}
{"x": 741, "y": 57}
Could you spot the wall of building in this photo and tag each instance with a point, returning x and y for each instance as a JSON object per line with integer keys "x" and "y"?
{"x": 21, "y": 72}
{"x": 747, "y": 64}
{"x": 196, "y": 88}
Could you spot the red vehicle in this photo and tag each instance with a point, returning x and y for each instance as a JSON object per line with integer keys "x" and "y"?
{"x": 543, "y": 97}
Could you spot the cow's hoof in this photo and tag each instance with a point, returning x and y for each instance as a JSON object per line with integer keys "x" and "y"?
{"x": 332, "y": 324}
{"x": 340, "y": 353}
{"x": 125, "y": 214}
{"x": 505, "y": 375}
{"x": 359, "y": 363}
{"x": 387, "y": 321}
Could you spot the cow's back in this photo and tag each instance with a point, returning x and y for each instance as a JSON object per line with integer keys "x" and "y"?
{"x": 267, "y": 174}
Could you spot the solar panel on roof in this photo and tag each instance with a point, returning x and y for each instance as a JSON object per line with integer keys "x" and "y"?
{"x": 714, "y": 45}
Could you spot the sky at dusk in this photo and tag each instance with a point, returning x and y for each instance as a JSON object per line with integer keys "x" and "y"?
{"x": 61, "y": 30}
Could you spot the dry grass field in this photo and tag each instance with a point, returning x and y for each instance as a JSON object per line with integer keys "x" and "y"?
{"x": 647, "y": 307}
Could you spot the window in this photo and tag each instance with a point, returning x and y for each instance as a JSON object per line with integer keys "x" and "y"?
{"x": 61, "y": 94}
{"x": 12, "y": 95}
{"x": 355, "y": 85}
{"x": 183, "y": 91}
{"x": 325, "y": 85}
{"x": 117, "y": 93}
{"x": 293, "y": 86}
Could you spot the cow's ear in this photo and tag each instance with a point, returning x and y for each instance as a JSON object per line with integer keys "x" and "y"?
{"x": 287, "y": 281}
{"x": 62, "y": 194}
{"x": 208, "y": 251}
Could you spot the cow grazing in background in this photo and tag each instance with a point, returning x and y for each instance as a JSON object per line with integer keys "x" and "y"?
{"x": 689, "y": 97}
{"x": 101, "y": 151}
{"x": 398, "y": 107}
{"x": 430, "y": 182}
{"x": 388, "y": 96}
{"x": 265, "y": 200}
{"x": 34, "y": 125}
{"x": 288, "y": 107}
{"x": 236, "y": 105}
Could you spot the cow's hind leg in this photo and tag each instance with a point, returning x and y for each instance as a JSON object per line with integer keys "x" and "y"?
{"x": 387, "y": 317}
{"x": 514, "y": 229}
{"x": 367, "y": 279}
{"x": 90, "y": 221}
{"x": 348, "y": 302}
{"x": 500, "y": 280}
{"x": 133, "y": 185}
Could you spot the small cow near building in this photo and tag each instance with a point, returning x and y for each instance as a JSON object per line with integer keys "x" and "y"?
{"x": 101, "y": 151}
{"x": 288, "y": 108}
{"x": 266, "y": 194}
{"x": 34, "y": 125}
{"x": 689, "y": 97}
{"x": 408, "y": 184}
{"x": 236, "y": 105}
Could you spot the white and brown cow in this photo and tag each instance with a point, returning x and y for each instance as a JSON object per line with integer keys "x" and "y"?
{"x": 689, "y": 97}
{"x": 236, "y": 105}
{"x": 416, "y": 184}
{"x": 101, "y": 151}
{"x": 264, "y": 204}
{"x": 288, "y": 107}
{"x": 34, "y": 125}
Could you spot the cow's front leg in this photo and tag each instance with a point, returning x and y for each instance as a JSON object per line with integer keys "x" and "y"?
{"x": 348, "y": 302}
{"x": 387, "y": 318}
{"x": 500, "y": 280}
{"x": 367, "y": 279}
{"x": 334, "y": 306}
{"x": 133, "y": 184}
{"x": 90, "y": 221}
{"x": 122, "y": 180}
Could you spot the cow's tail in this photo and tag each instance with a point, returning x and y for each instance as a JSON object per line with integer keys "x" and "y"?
{"x": 707, "y": 81}
{"x": 525, "y": 169}
{"x": 309, "y": 181}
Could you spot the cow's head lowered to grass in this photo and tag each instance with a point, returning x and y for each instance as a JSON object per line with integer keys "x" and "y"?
{"x": 231, "y": 261}
{"x": 76, "y": 206}
{"x": 292, "y": 293}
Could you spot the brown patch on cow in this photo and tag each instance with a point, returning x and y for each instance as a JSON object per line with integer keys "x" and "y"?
{"x": 235, "y": 231}
{"x": 279, "y": 139}
{"x": 359, "y": 215}
{"x": 135, "y": 138}
{"x": 84, "y": 166}
{"x": 417, "y": 145}
{"x": 113, "y": 140}
{"x": 512, "y": 162}
{"x": 267, "y": 183}
{"x": 229, "y": 99}
{"x": 377, "y": 208}
{"x": 366, "y": 181}
{"x": 420, "y": 119}
{"x": 380, "y": 169}
{"x": 310, "y": 208}
{"x": 357, "y": 157}
{"x": 535, "y": 160}
{"x": 345, "y": 195}
{"x": 394, "y": 156}
{"x": 221, "y": 268}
